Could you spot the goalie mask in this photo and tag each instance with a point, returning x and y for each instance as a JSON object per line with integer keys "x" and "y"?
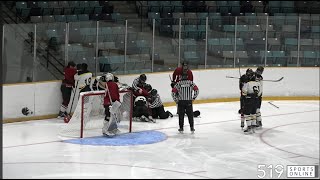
{"x": 109, "y": 77}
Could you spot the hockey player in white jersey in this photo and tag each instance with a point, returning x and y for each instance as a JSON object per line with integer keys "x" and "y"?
{"x": 259, "y": 79}
{"x": 100, "y": 83}
{"x": 83, "y": 78}
{"x": 251, "y": 91}
{"x": 82, "y": 84}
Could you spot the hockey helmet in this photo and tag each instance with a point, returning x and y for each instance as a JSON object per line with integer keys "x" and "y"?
{"x": 140, "y": 98}
{"x": 154, "y": 92}
{"x": 26, "y": 111}
{"x": 196, "y": 113}
{"x": 148, "y": 87}
{"x": 260, "y": 70}
{"x": 185, "y": 65}
{"x": 143, "y": 78}
{"x": 109, "y": 77}
{"x": 249, "y": 71}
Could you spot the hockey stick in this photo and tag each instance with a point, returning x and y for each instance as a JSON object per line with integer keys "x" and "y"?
{"x": 67, "y": 119}
{"x": 113, "y": 104}
{"x": 274, "y": 80}
{"x": 170, "y": 77}
{"x": 261, "y": 80}
{"x": 273, "y": 104}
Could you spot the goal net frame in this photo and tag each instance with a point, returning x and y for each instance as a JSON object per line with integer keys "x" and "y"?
{"x": 101, "y": 93}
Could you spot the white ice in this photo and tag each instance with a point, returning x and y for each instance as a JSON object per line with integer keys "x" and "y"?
{"x": 218, "y": 149}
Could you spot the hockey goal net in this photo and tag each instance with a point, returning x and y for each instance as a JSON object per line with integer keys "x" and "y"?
{"x": 87, "y": 119}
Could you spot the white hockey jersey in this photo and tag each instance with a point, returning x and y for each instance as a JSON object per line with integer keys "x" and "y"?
{"x": 252, "y": 88}
{"x": 83, "y": 80}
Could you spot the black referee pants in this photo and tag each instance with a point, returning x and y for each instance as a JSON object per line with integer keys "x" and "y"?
{"x": 185, "y": 106}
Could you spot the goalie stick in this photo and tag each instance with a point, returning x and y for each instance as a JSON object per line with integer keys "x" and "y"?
{"x": 68, "y": 116}
{"x": 262, "y": 80}
{"x": 114, "y": 118}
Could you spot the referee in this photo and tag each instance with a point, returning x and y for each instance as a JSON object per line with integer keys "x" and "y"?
{"x": 183, "y": 93}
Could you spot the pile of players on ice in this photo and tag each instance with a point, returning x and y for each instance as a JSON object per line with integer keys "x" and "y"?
{"x": 147, "y": 103}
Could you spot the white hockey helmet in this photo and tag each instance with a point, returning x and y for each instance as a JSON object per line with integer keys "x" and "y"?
{"x": 109, "y": 77}
{"x": 140, "y": 98}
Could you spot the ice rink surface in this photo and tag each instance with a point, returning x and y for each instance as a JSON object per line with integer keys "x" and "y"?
{"x": 218, "y": 149}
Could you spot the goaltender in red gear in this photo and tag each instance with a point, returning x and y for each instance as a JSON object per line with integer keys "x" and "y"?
{"x": 114, "y": 93}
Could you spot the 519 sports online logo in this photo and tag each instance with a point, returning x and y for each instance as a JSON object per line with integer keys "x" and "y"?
{"x": 289, "y": 171}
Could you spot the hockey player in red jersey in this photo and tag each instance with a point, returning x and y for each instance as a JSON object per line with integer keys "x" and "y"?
{"x": 66, "y": 87}
{"x": 179, "y": 71}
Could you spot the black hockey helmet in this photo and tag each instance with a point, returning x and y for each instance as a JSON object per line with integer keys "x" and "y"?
{"x": 71, "y": 64}
{"x": 185, "y": 65}
{"x": 148, "y": 87}
{"x": 260, "y": 70}
{"x": 79, "y": 67}
{"x": 26, "y": 111}
{"x": 143, "y": 78}
{"x": 154, "y": 92}
{"x": 249, "y": 71}
{"x": 84, "y": 66}
{"x": 196, "y": 113}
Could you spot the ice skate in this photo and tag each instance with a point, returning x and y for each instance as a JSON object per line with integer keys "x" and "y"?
{"x": 61, "y": 115}
{"x": 151, "y": 119}
{"x": 259, "y": 125}
{"x": 248, "y": 130}
{"x": 107, "y": 133}
{"x": 170, "y": 114}
{"x": 135, "y": 119}
{"x": 116, "y": 131}
{"x": 180, "y": 130}
{"x": 144, "y": 119}
{"x": 192, "y": 130}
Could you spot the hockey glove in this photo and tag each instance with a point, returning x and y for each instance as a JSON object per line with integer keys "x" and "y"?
{"x": 172, "y": 84}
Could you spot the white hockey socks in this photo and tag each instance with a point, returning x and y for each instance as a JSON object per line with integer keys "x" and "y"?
{"x": 258, "y": 115}
{"x": 63, "y": 108}
{"x": 254, "y": 120}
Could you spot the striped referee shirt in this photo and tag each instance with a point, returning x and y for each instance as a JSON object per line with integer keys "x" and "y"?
{"x": 135, "y": 84}
{"x": 183, "y": 90}
{"x": 155, "y": 102}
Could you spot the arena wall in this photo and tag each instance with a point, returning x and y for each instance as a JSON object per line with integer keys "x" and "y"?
{"x": 44, "y": 98}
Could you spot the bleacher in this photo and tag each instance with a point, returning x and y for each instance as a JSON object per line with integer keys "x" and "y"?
{"x": 236, "y": 29}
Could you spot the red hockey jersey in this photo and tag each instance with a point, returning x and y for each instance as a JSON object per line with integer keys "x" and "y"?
{"x": 69, "y": 73}
{"x": 114, "y": 93}
{"x": 177, "y": 74}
